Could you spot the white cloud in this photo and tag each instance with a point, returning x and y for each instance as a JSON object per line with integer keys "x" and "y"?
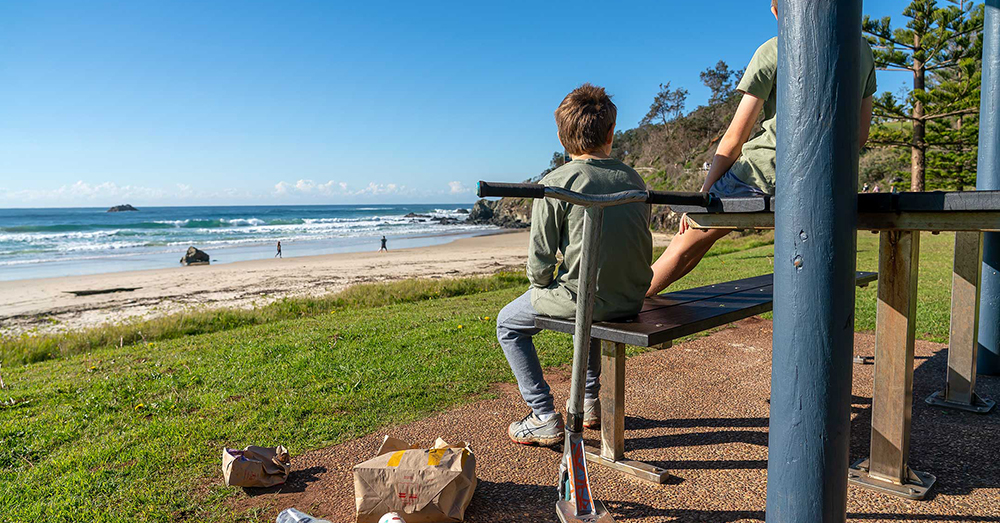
{"x": 305, "y": 186}
{"x": 281, "y": 188}
{"x": 82, "y": 191}
{"x": 457, "y": 188}
{"x": 382, "y": 189}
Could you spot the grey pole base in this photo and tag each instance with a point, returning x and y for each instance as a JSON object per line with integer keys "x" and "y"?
{"x": 637, "y": 469}
{"x": 565, "y": 511}
{"x": 980, "y": 405}
{"x": 916, "y": 486}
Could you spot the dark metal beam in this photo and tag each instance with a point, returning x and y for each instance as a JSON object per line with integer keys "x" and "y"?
{"x": 936, "y": 201}
{"x": 988, "y": 178}
{"x": 819, "y": 46}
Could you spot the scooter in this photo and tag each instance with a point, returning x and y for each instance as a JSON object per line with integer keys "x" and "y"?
{"x": 576, "y": 503}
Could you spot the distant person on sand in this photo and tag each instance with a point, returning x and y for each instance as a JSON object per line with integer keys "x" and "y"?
{"x": 383, "y": 249}
{"x": 278, "y": 254}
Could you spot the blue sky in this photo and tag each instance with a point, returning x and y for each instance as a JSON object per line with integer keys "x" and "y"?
{"x": 243, "y": 102}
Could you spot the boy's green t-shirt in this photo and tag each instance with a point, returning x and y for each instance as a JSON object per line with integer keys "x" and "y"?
{"x": 626, "y": 250}
{"x": 755, "y": 166}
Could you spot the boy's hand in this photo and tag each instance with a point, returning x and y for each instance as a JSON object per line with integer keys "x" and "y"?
{"x": 684, "y": 224}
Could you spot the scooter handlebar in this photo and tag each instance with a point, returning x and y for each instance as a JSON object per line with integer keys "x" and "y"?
{"x": 535, "y": 190}
{"x": 514, "y": 190}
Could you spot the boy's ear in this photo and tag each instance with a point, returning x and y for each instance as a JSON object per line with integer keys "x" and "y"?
{"x": 611, "y": 135}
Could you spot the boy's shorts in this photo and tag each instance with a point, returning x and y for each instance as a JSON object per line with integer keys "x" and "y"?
{"x": 729, "y": 186}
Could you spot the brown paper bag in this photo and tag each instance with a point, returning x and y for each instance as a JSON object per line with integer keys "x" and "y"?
{"x": 424, "y": 485}
{"x": 255, "y": 466}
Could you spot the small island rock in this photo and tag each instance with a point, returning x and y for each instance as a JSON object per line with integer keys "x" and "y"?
{"x": 195, "y": 257}
{"x": 122, "y": 208}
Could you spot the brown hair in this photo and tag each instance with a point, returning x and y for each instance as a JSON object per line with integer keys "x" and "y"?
{"x": 774, "y": 4}
{"x": 585, "y": 117}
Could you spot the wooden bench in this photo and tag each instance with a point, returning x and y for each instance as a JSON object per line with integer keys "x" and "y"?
{"x": 663, "y": 319}
{"x": 898, "y": 219}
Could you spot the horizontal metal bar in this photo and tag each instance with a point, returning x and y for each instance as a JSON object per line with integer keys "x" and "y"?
{"x": 935, "y": 201}
{"x": 907, "y": 221}
{"x": 726, "y": 205}
{"x": 595, "y": 200}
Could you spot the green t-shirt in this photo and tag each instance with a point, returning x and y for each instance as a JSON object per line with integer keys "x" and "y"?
{"x": 623, "y": 272}
{"x": 755, "y": 166}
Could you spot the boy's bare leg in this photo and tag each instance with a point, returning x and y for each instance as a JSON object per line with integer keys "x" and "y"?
{"x": 682, "y": 255}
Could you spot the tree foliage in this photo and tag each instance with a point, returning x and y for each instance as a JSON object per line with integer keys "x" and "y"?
{"x": 942, "y": 48}
{"x": 721, "y": 81}
{"x": 667, "y": 105}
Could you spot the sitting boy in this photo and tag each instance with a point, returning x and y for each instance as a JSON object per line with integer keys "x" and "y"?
{"x": 745, "y": 166}
{"x": 586, "y": 122}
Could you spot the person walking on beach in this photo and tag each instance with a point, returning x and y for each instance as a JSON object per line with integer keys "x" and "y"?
{"x": 383, "y": 249}
{"x": 278, "y": 254}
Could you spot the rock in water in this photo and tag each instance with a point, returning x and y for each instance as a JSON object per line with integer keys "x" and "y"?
{"x": 482, "y": 212}
{"x": 510, "y": 213}
{"x": 195, "y": 257}
{"x": 122, "y": 208}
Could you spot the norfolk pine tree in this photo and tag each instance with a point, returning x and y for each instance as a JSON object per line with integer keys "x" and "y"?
{"x": 941, "y": 47}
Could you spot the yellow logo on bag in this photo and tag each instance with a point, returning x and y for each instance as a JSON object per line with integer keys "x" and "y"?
{"x": 434, "y": 457}
{"x": 396, "y": 458}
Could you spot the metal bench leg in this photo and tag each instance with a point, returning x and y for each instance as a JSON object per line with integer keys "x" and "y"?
{"x": 887, "y": 470}
{"x": 960, "y": 384}
{"x": 612, "y": 451}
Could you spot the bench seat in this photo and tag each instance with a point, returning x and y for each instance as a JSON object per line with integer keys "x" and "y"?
{"x": 663, "y": 318}
{"x": 673, "y": 315}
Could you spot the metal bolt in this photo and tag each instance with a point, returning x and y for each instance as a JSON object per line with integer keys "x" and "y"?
{"x": 797, "y": 261}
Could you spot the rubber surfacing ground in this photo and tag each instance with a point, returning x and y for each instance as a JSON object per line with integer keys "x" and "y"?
{"x": 700, "y": 410}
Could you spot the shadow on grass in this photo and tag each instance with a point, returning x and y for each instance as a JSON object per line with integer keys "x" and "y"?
{"x": 297, "y": 481}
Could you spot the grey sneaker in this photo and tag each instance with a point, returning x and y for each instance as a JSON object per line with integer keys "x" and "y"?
{"x": 591, "y": 413}
{"x": 533, "y": 431}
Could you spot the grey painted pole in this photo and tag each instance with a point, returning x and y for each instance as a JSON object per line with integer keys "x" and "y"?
{"x": 988, "y": 178}
{"x": 819, "y": 100}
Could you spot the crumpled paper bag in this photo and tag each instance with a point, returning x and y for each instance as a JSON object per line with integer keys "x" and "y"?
{"x": 423, "y": 485}
{"x": 255, "y": 466}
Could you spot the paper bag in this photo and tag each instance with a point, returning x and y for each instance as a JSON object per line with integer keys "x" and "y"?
{"x": 255, "y": 466}
{"x": 423, "y": 485}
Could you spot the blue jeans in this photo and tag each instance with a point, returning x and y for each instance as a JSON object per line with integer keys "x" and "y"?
{"x": 515, "y": 329}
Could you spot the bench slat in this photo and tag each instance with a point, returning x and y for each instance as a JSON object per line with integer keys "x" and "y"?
{"x": 682, "y": 313}
{"x": 672, "y": 299}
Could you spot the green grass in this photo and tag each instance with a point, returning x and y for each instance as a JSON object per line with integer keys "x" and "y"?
{"x": 135, "y": 433}
{"x": 31, "y": 348}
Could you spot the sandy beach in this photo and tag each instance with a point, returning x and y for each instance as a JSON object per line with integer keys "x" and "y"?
{"x": 48, "y": 305}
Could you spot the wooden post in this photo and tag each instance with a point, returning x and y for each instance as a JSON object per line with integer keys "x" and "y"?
{"x": 887, "y": 469}
{"x": 960, "y": 384}
{"x": 613, "y": 401}
{"x": 612, "y": 451}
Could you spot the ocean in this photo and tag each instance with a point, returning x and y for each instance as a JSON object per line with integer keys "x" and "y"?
{"x": 37, "y": 243}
